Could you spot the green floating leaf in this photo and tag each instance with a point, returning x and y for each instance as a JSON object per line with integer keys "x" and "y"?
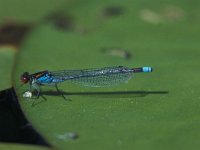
{"x": 26, "y": 11}
{"x": 9, "y": 146}
{"x": 6, "y": 64}
{"x": 159, "y": 110}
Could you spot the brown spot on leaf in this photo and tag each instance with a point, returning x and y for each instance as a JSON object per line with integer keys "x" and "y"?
{"x": 61, "y": 21}
{"x": 174, "y": 13}
{"x": 113, "y": 11}
{"x": 13, "y": 33}
{"x": 119, "y": 52}
{"x": 150, "y": 16}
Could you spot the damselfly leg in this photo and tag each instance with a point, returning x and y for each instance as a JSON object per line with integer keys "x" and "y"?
{"x": 60, "y": 92}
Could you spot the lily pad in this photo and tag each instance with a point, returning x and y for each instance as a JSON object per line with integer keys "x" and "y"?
{"x": 9, "y": 146}
{"x": 6, "y": 64}
{"x": 26, "y": 11}
{"x": 153, "y": 111}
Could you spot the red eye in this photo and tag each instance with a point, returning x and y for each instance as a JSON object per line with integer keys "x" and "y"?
{"x": 24, "y": 80}
{"x": 25, "y": 77}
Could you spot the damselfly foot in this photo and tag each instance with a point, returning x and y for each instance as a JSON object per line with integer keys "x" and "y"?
{"x": 60, "y": 92}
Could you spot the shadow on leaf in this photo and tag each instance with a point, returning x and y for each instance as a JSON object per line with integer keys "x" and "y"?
{"x": 118, "y": 94}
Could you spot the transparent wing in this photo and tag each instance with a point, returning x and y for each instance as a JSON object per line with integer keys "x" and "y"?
{"x": 95, "y": 77}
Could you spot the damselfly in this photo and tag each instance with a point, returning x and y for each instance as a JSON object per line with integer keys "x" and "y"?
{"x": 102, "y": 77}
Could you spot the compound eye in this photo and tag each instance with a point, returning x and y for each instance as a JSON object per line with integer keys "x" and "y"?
{"x": 24, "y": 78}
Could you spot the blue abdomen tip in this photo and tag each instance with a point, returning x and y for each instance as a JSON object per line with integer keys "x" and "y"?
{"x": 147, "y": 69}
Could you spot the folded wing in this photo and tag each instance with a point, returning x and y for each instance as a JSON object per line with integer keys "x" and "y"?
{"x": 103, "y": 77}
